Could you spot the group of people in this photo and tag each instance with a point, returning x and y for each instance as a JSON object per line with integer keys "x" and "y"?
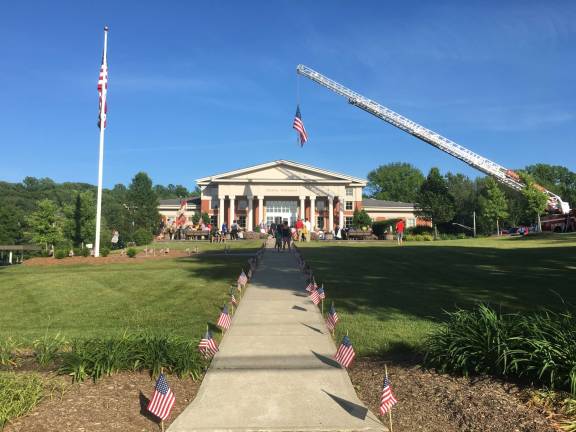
{"x": 284, "y": 235}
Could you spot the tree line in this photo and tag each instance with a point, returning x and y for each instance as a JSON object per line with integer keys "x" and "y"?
{"x": 47, "y": 213}
{"x": 454, "y": 198}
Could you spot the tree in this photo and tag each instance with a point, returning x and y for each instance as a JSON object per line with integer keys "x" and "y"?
{"x": 493, "y": 203}
{"x": 46, "y": 224}
{"x": 395, "y": 182}
{"x": 80, "y": 224}
{"x": 536, "y": 201}
{"x": 10, "y": 224}
{"x": 361, "y": 219}
{"x": 464, "y": 192}
{"x": 555, "y": 178}
{"x": 143, "y": 203}
{"x": 434, "y": 200}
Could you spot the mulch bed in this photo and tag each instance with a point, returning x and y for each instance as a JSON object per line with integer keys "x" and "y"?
{"x": 110, "y": 259}
{"x": 428, "y": 402}
{"x": 115, "y": 403}
{"x": 432, "y": 402}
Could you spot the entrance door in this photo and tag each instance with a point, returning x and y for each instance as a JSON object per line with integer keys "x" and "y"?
{"x": 281, "y": 211}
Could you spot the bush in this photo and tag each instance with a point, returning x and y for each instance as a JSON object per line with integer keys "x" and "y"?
{"x": 104, "y": 251}
{"x": 19, "y": 393}
{"x": 539, "y": 347}
{"x": 419, "y": 237}
{"x": 361, "y": 219}
{"x": 205, "y": 218}
{"x": 420, "y": 230}
{"x": 131, "y": 252}
{"x": 143, "y": 237}
{"x": 60, "y": 253}
{"x": 8, "y": 348}
{"x": 47, "y": 348}
{"x": 97, "y": 357}
{"x": 380, "y": 228}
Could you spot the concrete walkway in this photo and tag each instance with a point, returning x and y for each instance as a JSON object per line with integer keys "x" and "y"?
{"x": 274, "y": 371}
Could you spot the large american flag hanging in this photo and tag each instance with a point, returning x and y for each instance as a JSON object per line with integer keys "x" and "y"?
{"x": 163, "y": 400}
{"x": 332, "y": 318}
{"x": 102, "y": 84}
{"x": 299, "y": 126}
{"x": 207, "y": 346}
{"x": 224, "y": 321}
{"x": 387, "y": 400}
{"x": 345, "y": 353}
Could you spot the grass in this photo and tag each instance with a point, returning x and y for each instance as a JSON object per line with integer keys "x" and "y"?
{"x": 175, "y": 295}
{"x": 18, "y": 395}
{"x": 389, "y": 297}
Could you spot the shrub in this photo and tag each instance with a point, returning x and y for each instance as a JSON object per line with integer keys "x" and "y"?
{"x": 60, "y": 253}
{"x": 143, "y": 237}
{"x": 19, "y": 393}
{"x": 539, "y": 347}
{"x": 46, "y": 349}
{"x": 104, "y": 251}
{"x": 361, "y": 219}
{"x": 8, "y": 348}
{"x": 380, "y": 228}
{"x": 131, "y": 252}
{"x": 97, "y": 357}
{"x": 205, "y": 218}
{"x": 420, "y": 230}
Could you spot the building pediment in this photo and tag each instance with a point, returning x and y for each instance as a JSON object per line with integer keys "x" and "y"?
{"x": 281, "y": 171}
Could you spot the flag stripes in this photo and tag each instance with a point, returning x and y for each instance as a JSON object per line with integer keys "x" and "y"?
{"x": 163, "y": 399}
{"x": 207, "y": 346}
{"x": 345, "y": 354}
{"x": 298, "y": 125}
{"x": 332, "y": 318}
{"x": 224, "y": 320}
{"x": 102, "y": 84}
{"x": 387, "y": 400}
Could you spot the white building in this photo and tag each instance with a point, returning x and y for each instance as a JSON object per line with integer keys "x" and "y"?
{"x": 283, "y": 190}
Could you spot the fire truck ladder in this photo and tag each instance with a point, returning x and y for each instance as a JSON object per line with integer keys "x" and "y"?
{"x": 501, "y": 174}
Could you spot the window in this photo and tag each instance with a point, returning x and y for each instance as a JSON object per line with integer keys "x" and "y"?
{"x": 242, "y": 221}
{"x": 320, "y": 222}
{"x": 348, "y": 222}
{"x": 242, "y": 204}
{"x": 320, "y": 205}
{"x": 349, "y": 192}
{"x": 214, "y": 204}
{"x": 349, "y": 205}
{"x": 214, "y": 220}
{"x": 410, "y": 222}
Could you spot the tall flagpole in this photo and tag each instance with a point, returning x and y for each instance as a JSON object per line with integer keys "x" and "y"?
{"x": 101, "y": 156}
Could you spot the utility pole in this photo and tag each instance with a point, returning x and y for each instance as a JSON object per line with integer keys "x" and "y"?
{"x": 474, "y": 222}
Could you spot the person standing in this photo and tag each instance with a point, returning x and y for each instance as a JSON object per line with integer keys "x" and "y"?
{"x": 278, "y": 234}
{"x": 299, "y": 227}
{"x": 286, "y": 236}
{"x": 308, "y": 230}
{"x": 400, "y": 231}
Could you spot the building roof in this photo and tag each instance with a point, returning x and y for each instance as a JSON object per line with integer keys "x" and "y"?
{"x": 371, "y": 202}
{"x": 285, "y": 163}
{"x": 195, "y": 200}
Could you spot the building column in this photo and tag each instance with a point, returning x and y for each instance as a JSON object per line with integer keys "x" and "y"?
{"x": 231, "y": 215}
{"x": 330, "y": 214}
{"x": 260, "y": 209}
{"x": 250, "y": 221}
{"x": 313, "y": 212}
{"x": 302, "y": 207}
{"x": 341, "y": 212}
{"x": 220, "y": 212}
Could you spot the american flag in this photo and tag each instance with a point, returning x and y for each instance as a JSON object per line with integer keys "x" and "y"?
{"x": 163, "y": 400}
{"x": 242, "y": 279}
{"x": 224, "y": 319}
{"x": 233, "y": 299}
{"x": 387, "y": 400}
{"x": 207, "y": 346}
{"x": 299, "y": 126}
{"x": 332, "y": 318}
{"x": 315, "y": 297}
{"x": 102, "y": 84}
{"x": 345, "y": 353}
{"x": 311, "y": 286}
{"x": 321, "y": 293}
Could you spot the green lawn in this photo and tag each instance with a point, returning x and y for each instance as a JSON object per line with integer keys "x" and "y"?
{"x": 179, "y": 295}
{"x": 389, "y": 297}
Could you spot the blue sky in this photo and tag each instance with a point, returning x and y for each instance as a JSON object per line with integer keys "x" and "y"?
{"x": 198, "y": 88}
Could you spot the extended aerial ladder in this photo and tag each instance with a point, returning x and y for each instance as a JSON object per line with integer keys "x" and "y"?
{"x": 501, "y": 174}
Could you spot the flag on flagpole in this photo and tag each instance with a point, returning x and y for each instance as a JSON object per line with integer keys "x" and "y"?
{"x": 163, "y": 399}
{"x": 345, "y": 353}
{"x": 311, "y": 286}
{"x": 315, "y": 297}
{"x": 332, "y": 318}
{"x": 102, "y": 85}
{"x": 321, "y": 293}
{"x": 224, "y": 320}
{"x": 242, "y": 279}
{"x": 387, "y": 400}
{"x": 207, "y": 346}
{"x": 298, "y": 125}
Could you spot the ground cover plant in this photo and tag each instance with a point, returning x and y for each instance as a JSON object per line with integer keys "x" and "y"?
{"x": 390, "y": 297}
{"x": 18, "y": 395}
{"x": 173, "y": 295}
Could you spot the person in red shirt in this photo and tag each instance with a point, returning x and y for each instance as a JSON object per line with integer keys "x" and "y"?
{"x": 400, "y": 231}
{"x": 299, "y": 226}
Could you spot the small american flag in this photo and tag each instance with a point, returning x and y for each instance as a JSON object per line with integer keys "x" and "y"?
{"x": 387, "y": 400}
{"x": 233, "y": 299}
{"x": 321, "y": 293}
{"x": 345, "y": 353}
{"x": 311, "y": 286}
{"x": 207, "y": 346}
{"x": 299, "y": 126}
{"x": 224, "y": 320}
{"x": 242, "y": 279}
{"x": 163, "y": 400}
{"x": 332, "y": 318}
{"x": 315, "y": 297}
{"x": 102, "y": 84}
